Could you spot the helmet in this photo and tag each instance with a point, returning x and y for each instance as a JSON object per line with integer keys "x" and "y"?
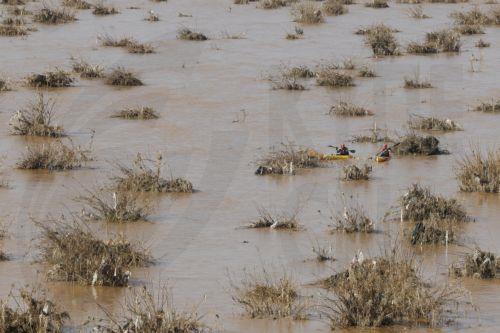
{"x": 385, "y": 146}
{"x": 342, "y": 146}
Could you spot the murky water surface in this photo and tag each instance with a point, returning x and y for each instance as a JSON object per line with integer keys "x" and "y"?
{"x": 199, "y": 89}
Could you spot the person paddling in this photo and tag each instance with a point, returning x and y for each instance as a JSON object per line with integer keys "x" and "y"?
{"x": 342, "y": 150}
{"x": 385, "y": 151}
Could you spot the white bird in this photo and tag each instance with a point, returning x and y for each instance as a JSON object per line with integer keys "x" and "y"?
{"x": 361, "y": 257}
{"x": 45, "y": 309}
{"x": 115, "y": 201}
{"x": 274, "y": 225}
{"x": 94, "y": 278}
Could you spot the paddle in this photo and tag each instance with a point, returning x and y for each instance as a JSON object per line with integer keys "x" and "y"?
{"x": 350, "y": 150}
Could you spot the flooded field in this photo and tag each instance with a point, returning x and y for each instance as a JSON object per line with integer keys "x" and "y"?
{"x": 217, "y": 115}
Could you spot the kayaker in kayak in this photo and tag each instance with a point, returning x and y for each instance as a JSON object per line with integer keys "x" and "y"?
{"x": 385, "y": 151}
{"x": 342, "y": 150}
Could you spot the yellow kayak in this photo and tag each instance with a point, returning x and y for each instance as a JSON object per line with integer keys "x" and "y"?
{"x": 382, "y": 159}
{"x": 331, "y": 157}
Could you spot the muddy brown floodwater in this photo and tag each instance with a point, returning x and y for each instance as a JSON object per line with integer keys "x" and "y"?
{"x": 199, "y": 88}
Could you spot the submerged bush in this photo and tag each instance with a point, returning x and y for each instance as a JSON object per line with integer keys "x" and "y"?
{"x": 334, "y": 7}
{"x": 56, "y": 78}
{"x": 54, "y": 15}
{"x": 377, "y": 4}
{"x": 382, "y": 40}
{"x": 353, "y": 218}
{"x": 121, "y": 76}
{"x": 307, "y": 12}
{"x": 77, "y": 4}
{"x": 479, "y": 264}
{"x": 414, "y": 144}
{"x": 355, "y": 172}
{"x": 87, "y": 70}
{"x": 4, "y": 85}
{"x": 331, "y": 77}
{"x": 54, "y": 156}
{"x": 376, "y": 135}
{"x": 101, "y": 9}
{"x": 273, "y": 4}
{"x": 287, "y": 220}
{"x": 416, "y": 82}
{"x": 76, "y": 254}
{"x": 188, "y": 34}
{"x": 433, "y": 231}
{"x": 145, "y": 176}
{"x": 488, "y": 107}
{"x": 433, "y": 124}
{"x": 32, "y": 312}
{"x": 36, "y": 119}
{"x": 289, "y": 78}
{"x": 9, "y": 30}
{"x": 347, "y": 109}
{"x": 478, "y": 172}
{"x": 138, "y": 112}
{"x": 287, "y": 160}
{"x": 481, "y": 43}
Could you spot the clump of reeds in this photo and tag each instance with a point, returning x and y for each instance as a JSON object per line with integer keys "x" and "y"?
{"x": 121, "y": 76}
{"x": 414, "y": 144}
{"x": 188, "y": 34}
{"x": 137, "y": 112}
{"x": 355, "y": 172}
{"x": 285, "y": 220}
{"x": 381, "y": 39}
{"x": 12, "y": 30}
{"x": 307, "y": 12}
{"x": 433, "y": 231}
{"x": 479, "y": 264}
{"x": 489, "y": 107}
{"x": 367, "y": 71}
{"x": 30, "y": 311}
{"x": 420, "y": 204}
{"x": 54, "y": 156}
{"x": 472, "y": 17}
{"x": 416, "y": 82}
{"x": 273, "y": 4}
{"x": 100, "y": 8}
{"x": 334, "y": 7}
{"x": 478, "y": 172}
{"x": 353, "y": 218}
{"x": 287, "y": 160}
{"x": 433, "y": 124}
{"x": 347, "y": 109}
{"x": 323, "y": 253}
{"x": 331, "y": 77}
{"x": 54, "y": 15}
{"x": 145, "y": 311}
{"x": 264, "y": 295}
{"x": 385, "y": 291}
{"x": 377, "y": 4}
{"x": 145, "y": 176}
{"x": 56, "y": 78}
{"x": 114, "y": 205}
{"x": 74, "y": 253}
{"x": 445, "y": 40}
{"x": 134, "y": 46}
{"x": 87, "y": 70}
{"x": 36, "y": 119}
{"x": 481, "y": 43}
{"x": 77, "y": 4}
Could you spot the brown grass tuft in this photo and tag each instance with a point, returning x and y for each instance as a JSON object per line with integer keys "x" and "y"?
{"x": 489, "y": 107}
{"x": 433, "y": 124}
{"x": 273, "y": 4}
{"x": 382, "y": 40}
{"x": 77, "y": 4}
{"x": 307, "y": 12}
{"x": 101, "y": 9}
{"x": 121, "y": 76}
{"x": 87, "y": 70}
{"x": 188, "y": 34}
{"x": 54, "y": 15}
{"x": 56, "y": 78}
{"x": 138, "y": 112}
{"x": 355, "y": 172}
{"x": 285, "y": 220}
{"x": 414, "y": 144}
{"x": 479, "y": 265}
{"x": 353, "y": 217}
{"x": 377, "y": 4}
{"x": 331, "y": 77}
{"x": 54, "y": 156}
{"x": 478, "y": 172}
{"x": 287, "y": 160}
{"x": 347, "y": 109}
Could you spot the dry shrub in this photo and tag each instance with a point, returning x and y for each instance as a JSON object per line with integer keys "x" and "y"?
{"x": 273, "y": 4}
{"x": 382, "y": 40}
{"x": 137, "y": 112}
{"x": 377, "y": 4}
{"x": 481, "y": 43}
{"x": 331, "y": 77}
{"x": 353, "y": 218}
{"x": 121, "y": 76}
{"x": 433, "y": 231}
{"x": 289, "y": 78}
{"x": 473, "y": 17}
{"x": 367, "y": 71}
{"x": 478, "y": 172}
{"x": 446, "y": 40}
{"x": 307, "y": 12}
{"x": 287, "y": 159}
{"x": 489, "y": 107}
{"x": 77, "y": 4}
{"x": 386, "y": 291}
{"x": 54, "y": 156}
{"x": 470, "y": 29}
{"x": 285, "y": 220}
{"x": 36, "y": 119}
{"x": 433, "y": 124}
{"x": 56, "y": 78}
{"x": 420, "y": 204}
{"x": 355, "y": 172}
{"x": 139, "y": 48}
{"x": 13, "y": 30}
{"x": 18, "y": 11}
{"x": 108, "y": 40}
{"x": 376, "y": 135}
{"x": 145, "y": 311}
{"x": 4, "y": 85}
{"x": 32, "y": 313}
{"x": 264, "y": 295}
{"x": 323, "y": 253}
{"x": 87, "y": 70}
{"x": 415, "y": 144}
{"x": 334, "y": 7}
{"x": 152, "y": 17}
{"x": 100, "y": 8}
{"x": 54, "y": 15}
{"x": 76, "y": 254}
{"x": 479, "y": 264}
{"x": 347, "y": 109}
{"x": 416, "y": 82}
{"x": 145, "y": 176}
{"x": 188, "y": 34}
{"x": 114, "y": 205}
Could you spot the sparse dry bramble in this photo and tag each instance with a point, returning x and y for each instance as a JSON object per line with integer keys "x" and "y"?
{"x": 54, "y": 156}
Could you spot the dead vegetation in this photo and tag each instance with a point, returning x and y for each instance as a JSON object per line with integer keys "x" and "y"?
{"x": 128, "y": 43}
{"x": 347, "y": 109}
{"x": 433, "y": 231}
{"x": 74, "y": 253}
{"x": 334, "y": 7}
{"x": 54, "y": 156}
{"x": 479, "y": 265}
{"x": 332, "y": 77}
{"x": 273, "y": 4}
{"x": 137, "y": 112}
{"x": 444, "y": 40}
{"x": 478, "y": 172}
{"x": 152, "y": 17}
{"x": 367, "y": 71}
{"x": 376, "y": 135}
{"x": 489, "y": 107}
{"x": 284, "y": 220}
{"x": 4, "y": 85}
{"x": 307, "y": 12}
{"x": 377, "y": 4}
{"x": 29, "y": 311}
{"x": 145, "y": 311}
{"x": 12, "y": 26}
{"x": 323, "y": 253}
{"x": 188, "y": 34}
{"x": 36, "y": 119}
{"x": 287, "y": 160}
{"x": 416, "y": 82}
{"x": 264, "y": 295}
{"x": 385, "y": 291}
{"x": 101, "y": 9}
{"x": 471, "y": 22}
{"x": 353, "y": 218}
{"x": 481, "y": 43}
{"x": 87, "y": 70}
{"x": 56, "y": 78}
{"x": 121, "y": 76}
{"x": 290, "y": 78}
{"x": 145, "y": 176}
{"x": 415, "y": 144}
{"x": 356, "y": 172}
{"x": 433, "y": 124}
{"x": 54, "y": 15}
{"x": 77, "y": 4}
{"x": 381, "y": 39}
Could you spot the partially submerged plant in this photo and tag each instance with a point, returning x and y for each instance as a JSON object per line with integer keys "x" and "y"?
{"x": 188, "y": 34}
{"x": 478, "y": 172}
{"x": 77, "y": 4}
{"x": 100, "y": 8}
{"x": 416, "y": 82}
{"x": 356, "y": 172}
{"x": 479, "y": 265}
{"x": 56, "y": 78}
{"x": 286, "y": 160}
{"x": 145, "y": 176}
{"x": 415, "y": 144}
{"x": 87, "y": 70}
{"x": 13, "y": 30}
{"x": 29, "y": 311}
{"x": 433, "y": 124}
{"x": 347, "y": 109}
{"x": 289, "y": 78}
{"x": 331, "y": 77}
{"x": 36, "y": 119}
{"x": 433, "y": 231}
{"x": 4, "y": 85}
{"x": 74, "y": 253}
{"x": 287, "y": 220}
{"x": 138, "y": 112}
{"x": 334, "y": 7}
{"x": 417, "y": 12}
{"x": 152, "y": 17}
{"x": 489, "y": 107}
{"x": 367, "y": 71}
{"x": 377, "y": 4}
{"x": 353, "y": 217}
{"x": 121, "y": 76}
{"x": 376, "y": 135}
{"x": 481, "y": 43}
{"x": 445, "y": 40}
{"x": 382, "y": 40}
{"x": 273, "y": 4}
{"x": 323, "y": 253}
{"x": 54, "y": 156}
{"x": 140, "y": 48}
{"x": 54, "y": 15}
{"x": 307, "y": 12}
